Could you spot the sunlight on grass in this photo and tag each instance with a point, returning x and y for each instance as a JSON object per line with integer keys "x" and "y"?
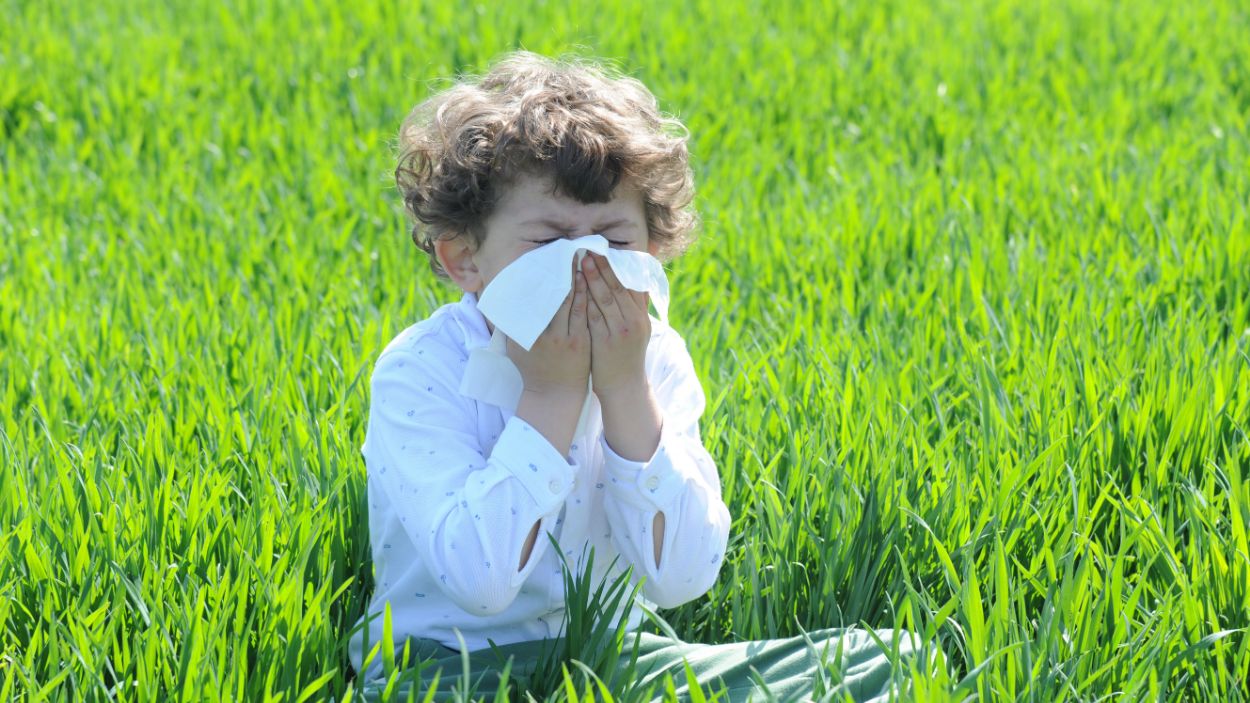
{"x": 971, "y": 308}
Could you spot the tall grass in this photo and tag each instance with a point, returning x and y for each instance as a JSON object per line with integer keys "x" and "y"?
{"x": 971, "y": 307}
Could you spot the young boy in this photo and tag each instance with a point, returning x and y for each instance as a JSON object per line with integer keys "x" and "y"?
{"x": 463, "y": 492}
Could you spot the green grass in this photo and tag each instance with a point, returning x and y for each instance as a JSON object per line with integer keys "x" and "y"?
{"x": 971, "y": 308}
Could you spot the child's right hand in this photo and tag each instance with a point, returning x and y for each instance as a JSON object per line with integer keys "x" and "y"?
{"x": 559, "y": 361}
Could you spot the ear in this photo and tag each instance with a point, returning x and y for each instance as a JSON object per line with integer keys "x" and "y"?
{"x": 455, "y": 255}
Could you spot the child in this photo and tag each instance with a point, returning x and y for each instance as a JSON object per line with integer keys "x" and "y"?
{"x": 463, "y": 492}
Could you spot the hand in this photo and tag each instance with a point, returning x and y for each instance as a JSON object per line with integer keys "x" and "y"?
{"x": 559, "y": 360}
{"x": 619, "y": 329}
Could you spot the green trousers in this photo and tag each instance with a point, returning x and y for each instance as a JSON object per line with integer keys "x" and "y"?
{"x": 836, "y": 664}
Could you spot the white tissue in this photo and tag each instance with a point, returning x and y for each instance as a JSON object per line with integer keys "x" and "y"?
{"x": 522, "y": 299}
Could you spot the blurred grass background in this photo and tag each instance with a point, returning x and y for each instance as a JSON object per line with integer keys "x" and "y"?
{"x": 971, "y": 307}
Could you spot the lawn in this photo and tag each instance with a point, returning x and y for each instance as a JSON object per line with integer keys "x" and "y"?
{"x": 971, "y": 308}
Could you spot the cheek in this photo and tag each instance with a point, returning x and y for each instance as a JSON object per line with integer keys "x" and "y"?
{"x": 487, "y": 269}
{"x": 491, "y": 267}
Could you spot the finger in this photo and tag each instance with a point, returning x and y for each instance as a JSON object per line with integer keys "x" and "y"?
{"x": 581, "y": 298}
{"x": 560, "y": 321}
{"x": 640, "y": 297}
{"x": 619, "y": 290}
{"x": 599, "y": 291}
{"x": 633, "y": 299}
{"x": 598, "y": 323}
{"x": 609, "y": 276}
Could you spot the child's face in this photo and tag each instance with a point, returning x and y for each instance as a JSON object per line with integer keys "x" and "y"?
{"x": 528, "y": 216}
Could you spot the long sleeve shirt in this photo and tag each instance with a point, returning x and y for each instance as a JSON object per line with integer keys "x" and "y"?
{"x": 456, "y": 485}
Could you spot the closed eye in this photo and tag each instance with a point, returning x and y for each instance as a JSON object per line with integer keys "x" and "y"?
{"x": 548, "y": 241}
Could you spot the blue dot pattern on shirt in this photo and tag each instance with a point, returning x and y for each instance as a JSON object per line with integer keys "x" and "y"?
{"x": 436, "y": 353}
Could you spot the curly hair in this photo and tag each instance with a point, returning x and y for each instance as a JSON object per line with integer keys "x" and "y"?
{"x": 585, "y": 127}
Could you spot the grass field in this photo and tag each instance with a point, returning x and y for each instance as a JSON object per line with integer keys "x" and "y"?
{"x": 971, "y": 307}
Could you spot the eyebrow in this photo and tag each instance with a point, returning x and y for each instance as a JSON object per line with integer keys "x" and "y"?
{"x": 563, "y": 227}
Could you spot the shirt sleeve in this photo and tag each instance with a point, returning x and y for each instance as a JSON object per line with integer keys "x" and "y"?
{"x": 680, "y": 480}
{"x": 467, "y": 514}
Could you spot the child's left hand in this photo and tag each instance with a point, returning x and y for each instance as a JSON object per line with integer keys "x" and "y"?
{"x": 619, "y": 329}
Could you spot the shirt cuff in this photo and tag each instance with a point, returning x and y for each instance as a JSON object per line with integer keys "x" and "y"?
{"x": 649, "y": 485}
{"x": 524, "y": 451}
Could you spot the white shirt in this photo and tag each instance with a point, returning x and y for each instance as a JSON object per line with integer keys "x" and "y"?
{"x": 455, "y": 486}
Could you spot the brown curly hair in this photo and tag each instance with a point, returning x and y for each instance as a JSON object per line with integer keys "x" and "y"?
{"x": 570, "y": 119}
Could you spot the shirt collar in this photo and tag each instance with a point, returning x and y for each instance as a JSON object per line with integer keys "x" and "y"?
{"x": 472, "y": 322}
{"x": 489, "y": 375}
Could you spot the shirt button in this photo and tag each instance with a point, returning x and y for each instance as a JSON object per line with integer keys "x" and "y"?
{"x": 554, "y": 486}
{"x": 653, "y": 482}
